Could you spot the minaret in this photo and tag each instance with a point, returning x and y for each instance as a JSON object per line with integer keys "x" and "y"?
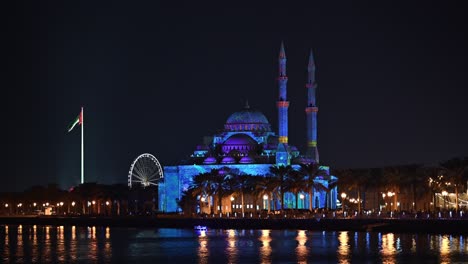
{"x": 311, "y": 112}
{"x": 282, "y": 155}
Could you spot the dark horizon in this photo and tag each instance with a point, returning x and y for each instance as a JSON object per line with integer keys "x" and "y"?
{"x": 155, "y": 78}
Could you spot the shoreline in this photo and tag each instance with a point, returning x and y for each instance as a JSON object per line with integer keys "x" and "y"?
{"x": 385, "y": 225}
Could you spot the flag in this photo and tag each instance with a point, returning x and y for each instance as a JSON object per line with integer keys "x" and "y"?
{"x": 78, "y": 120}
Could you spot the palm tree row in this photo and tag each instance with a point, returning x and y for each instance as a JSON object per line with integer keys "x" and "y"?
{"x": 88, "y": 198}
{"x": 416, "y": 181}
{"x": 225, "y": 182}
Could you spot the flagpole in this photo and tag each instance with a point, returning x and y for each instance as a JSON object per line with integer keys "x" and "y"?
{"x": 82, "y": 146}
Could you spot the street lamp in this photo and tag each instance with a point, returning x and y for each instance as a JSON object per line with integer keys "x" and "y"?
{"x": 301, "y": 196}
{"x": 390, "y": 194}
{"x": 343, "y": 197}
{"x": 265, "y": 201}
{"x": 444, "y": 194}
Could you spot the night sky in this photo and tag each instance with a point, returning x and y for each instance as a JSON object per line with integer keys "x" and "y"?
{"x": 392, "y": 85}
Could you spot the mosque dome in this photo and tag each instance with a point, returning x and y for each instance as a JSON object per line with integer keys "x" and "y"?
{"x": 241, "y": 143}
{"x": 209, "y": 160}
{"x": 247, "y": 120}
{"x": 228, "y": 160}
{"x": 246, "y": 160}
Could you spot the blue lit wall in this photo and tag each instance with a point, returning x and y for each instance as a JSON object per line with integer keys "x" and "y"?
{"x": 177, "y": 179}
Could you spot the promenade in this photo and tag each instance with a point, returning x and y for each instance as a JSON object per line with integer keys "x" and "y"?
{"x": 393, "y": 225}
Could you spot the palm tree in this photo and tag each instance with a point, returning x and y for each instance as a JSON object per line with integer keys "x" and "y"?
{"x": 296, "y": 183}
{"x": 201, "y": 187}
{"x": 266, "y": 185}
{"x": 253, "y": 190}
{"x": 392, "y": 180}
{"x": 240, "y": 184}
{"x": 331, "y": 185}
{"x": 415, "y": 179}
{"x": 117, "y": 194}
{"x": 362, "y": 182}
{"x": 434, "y": 181}
{"x": 281, "y": 172}
{"x": 86, "y": 191}
{"x": 310, "y": 171}
{"x": 218, "y": 182}
{"x": 456, "y": 171}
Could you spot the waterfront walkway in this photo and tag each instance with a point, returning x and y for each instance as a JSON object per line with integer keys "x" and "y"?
{"x": 396, "y": 225}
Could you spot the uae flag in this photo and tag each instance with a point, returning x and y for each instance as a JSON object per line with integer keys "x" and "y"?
{"x": 78, "y": 120}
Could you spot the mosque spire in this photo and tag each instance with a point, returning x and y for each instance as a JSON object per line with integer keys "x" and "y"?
{"x": 282, "y": 61}
{"x": 282, "y": 154}
{"x": 311, "y": 68}
{"x": 311, "y": 111}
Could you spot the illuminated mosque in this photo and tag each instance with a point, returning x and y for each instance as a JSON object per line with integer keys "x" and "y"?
{"x": 248, "y": 145}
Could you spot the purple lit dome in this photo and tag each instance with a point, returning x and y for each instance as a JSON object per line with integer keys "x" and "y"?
{"x": 228, "y": 160}
{"x": 247, "y": 120}
{"x": 209, "y": 160}
{"x": 241, "y": 143}
{"x": 246, "y": 160}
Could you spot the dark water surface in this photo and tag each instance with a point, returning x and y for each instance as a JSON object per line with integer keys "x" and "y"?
{"x": 70, "y": 244}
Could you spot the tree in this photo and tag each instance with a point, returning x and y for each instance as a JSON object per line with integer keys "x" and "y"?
{"x": 415, "y": 179}
{"x": 295, "y": 183}
{"x": 456, "y": 171}
{"x": 266, "y": 185}
{"x": 310, "y": 171}
{"x": 216, "y": 182}
{"x": 201, "y": 186}
{"x": 392, "y": 180}
{"x": 240, "y": 184}
{"x": 281, "y": 172}
{"x": 118, "y": 193}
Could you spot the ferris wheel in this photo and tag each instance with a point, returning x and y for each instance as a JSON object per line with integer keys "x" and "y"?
{"x": 145, "y": 171}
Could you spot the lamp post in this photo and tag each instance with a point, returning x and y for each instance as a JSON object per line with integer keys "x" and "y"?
{"x": 232, "y": 205}
{"x": 444, "y": 194}
{"x": 107, "y": 207}
{"x": 390, "y": 194}
{"x": 383, "y": 200}
{"x": 265, "y": 201}
{"x": 301, "y": 196}
{"x": 343, "y": 197}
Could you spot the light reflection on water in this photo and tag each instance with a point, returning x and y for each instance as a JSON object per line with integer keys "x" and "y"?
{"x": 39, "y": 244}
{"x": 203, "y": 252}
{"x": 343, "y": 248}
{"x": 265, "y": 249}
{"x": 388, "y": 250}
{"x": 232, "y": 248}
{"x": 301, "y": 249}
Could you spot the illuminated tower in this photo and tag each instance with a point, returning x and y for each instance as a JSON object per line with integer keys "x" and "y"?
{"x": 282, "y": 155}
{"x": 311, "y": 112}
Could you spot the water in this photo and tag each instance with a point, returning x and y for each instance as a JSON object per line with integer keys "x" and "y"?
{"x": 70, "y": 244}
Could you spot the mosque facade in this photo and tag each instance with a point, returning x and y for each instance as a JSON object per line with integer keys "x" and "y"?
{"x": 248, "y": 145}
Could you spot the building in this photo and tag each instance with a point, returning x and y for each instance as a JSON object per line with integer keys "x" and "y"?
{"x": 248, "y": 145}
